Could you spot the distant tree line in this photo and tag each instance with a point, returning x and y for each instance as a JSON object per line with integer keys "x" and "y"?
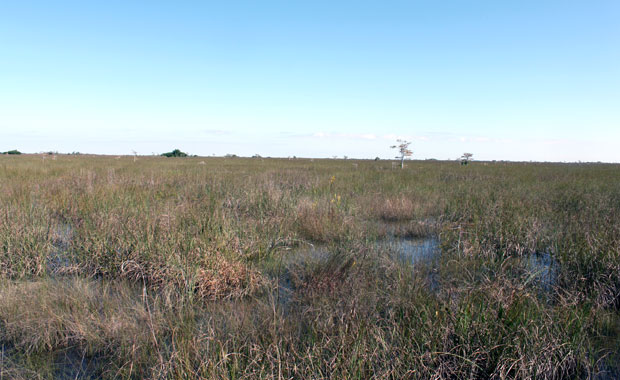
{"x": 14, "y": 151}
{"x": 175, "y": 153}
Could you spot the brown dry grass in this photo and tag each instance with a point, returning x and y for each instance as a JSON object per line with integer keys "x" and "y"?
{"x": 323, "y": 221}
{"x": 173, "y": 269}
{"x": 227, "y": 279}
{"x": 52, "y": 314}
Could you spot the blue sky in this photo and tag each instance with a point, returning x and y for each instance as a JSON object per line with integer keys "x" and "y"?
{"x": 515, "y": 80}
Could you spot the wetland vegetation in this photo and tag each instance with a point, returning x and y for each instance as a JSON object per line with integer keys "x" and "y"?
{"x": 183, "y": 268}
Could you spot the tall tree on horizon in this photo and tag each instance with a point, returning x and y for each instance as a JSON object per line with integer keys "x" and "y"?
{"x": 403, "y": 150}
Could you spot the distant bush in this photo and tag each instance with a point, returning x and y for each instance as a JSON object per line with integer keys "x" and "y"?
{"x": 14, "y": 151}
{"x": 175, "y": 153}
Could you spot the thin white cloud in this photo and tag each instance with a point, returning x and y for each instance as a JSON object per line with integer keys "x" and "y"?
{"x": 369, "y": 136}
{"x": 361, "y": 136}
{"x": 218, "y": 132}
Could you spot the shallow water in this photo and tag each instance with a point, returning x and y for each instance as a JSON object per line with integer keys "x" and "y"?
{"x": 405, "y": 251}
{"x": 414, "y": 251}
{"x": 306, "y": 255}
{"x": 542, "y": 269}
{"x": 58, "y": 259}
{"x": 609, "y": 366}
{"x": 70, "y": 364}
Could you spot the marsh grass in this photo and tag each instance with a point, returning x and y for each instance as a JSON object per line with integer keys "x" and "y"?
{"x": 161, "y": 268}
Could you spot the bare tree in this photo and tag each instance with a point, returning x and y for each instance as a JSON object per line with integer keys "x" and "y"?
{"x": 465, "y": 158}
{"x": 403, "y": 151}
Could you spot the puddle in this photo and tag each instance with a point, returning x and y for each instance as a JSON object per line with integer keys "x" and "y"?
{"x": 608, "y": 366}
{"x": 405, "y": 251}
{"x": 58, "y": 261}
{"x": 607, "y": 371}
{"x": 413, "y": 251}
{"x": 72, "y": 365}
{"x": 67, "y": 364}
{"x": 304, "y": 256}
{"x": 542, "y": 270}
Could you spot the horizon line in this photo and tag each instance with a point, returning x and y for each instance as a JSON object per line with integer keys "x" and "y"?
{"x": 340, "y": 158}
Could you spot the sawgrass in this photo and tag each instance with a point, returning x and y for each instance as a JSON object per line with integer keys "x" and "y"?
{"x": 174, "y": 268}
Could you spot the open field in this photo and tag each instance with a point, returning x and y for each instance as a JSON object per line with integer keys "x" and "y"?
{"x": 182, "y": 268}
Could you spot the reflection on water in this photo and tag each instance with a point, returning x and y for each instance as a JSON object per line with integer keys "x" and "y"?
{"x": 403, "y": 250}
{"x": 413, "y": 251}
{"x": 417, "y": 251}
{"x": 300, "y": 257}
{"x": 608, "y": 367}
{"x": 543, "y": 270}
{"x": 58, "y": 259}
{"x": 70, "y": 364}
